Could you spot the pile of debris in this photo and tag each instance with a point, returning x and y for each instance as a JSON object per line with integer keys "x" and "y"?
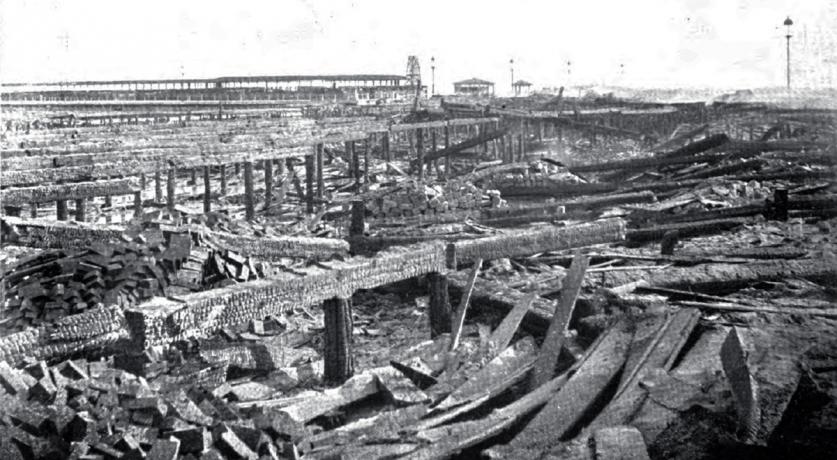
{"x": 141, "y": 264}
{"x": 413, "y": 198}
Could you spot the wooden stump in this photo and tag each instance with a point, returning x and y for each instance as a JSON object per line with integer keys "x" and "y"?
{"x": 440, "y": 309}
{"x": 337, "y": 352}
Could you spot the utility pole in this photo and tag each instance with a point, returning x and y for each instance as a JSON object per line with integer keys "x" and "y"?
{"x": 432, "y": 76}
{"x": 788, "y": 23}
{"x": 511, "y": 65}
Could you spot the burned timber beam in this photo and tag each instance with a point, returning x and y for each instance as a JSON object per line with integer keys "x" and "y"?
{"x": 724, "y": 277}
{"x": 44, "y": 193}
{"x": 715, "y": 140}
{"x": 41, "y": 233}
{"x": 456, "y": 148}
{"x": 273, "y": 249}
{"x": 162, "y": 321}
{"x": 531, "y": 242}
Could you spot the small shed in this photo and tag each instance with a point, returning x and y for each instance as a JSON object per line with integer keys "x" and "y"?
{"x": 522, "y": 88}
{"x": 474, "y": 87}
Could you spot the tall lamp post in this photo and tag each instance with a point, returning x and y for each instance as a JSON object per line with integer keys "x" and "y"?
{"x": 432, "y": 76}
{"x": 788, "y": 23}
{"x": 511, "y": 65}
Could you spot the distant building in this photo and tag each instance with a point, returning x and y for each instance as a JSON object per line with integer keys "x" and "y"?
{"x": 474, "y": 87}
{"x": 522, "y": 88}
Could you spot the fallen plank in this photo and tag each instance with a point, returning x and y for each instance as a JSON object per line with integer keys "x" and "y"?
{"x": 499, "y": 296}
{"x": 620, "y": 443}
{"x": 554, "y": 339}
{"x": 559, "y": 418}
{"x": 494, "y": 376}
{"x": 458, "y": 321}
{"x": 741, "y": 308}
{"x": 659, "y": 354}
{"x": 447, "y": 440}
{"x": 763, "y": 373}
{"x": 698, "y": 375}
{"x": 400, "y": 389}
{"x": 355, "y": 389}
{"x": 502, "y": 336}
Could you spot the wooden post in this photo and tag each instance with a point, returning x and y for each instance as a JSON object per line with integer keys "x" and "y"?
{"x": 433, "y": 149}
{"x": 440, "y": 310}
{"x": 387, "y": 152}
{"x": 668, "y": 242}
{"x": 223, "y": 180}
{"x": 521, "y": 151}
{"x": 320, "y": 178}
{"x": 158, "y": 186}
{"x": 193, "y": 173}
{"x": 780, "y": 203}
{"x": 357, "y": 224}
{"x": 355, "y": 162}
{"x": 207, "y": 190}
{"x": 237, "y": 169}
{"x": 268, "y": 182}
{"x": 447, "y": 158}
{"x": 338, "y": 364}
{"x": 80, "y": 209}
{"x": 33, "y": 209}
{"x": 61, "y": 209}
{"x": 249, "y": 196}
{"x": 309, "y": 183}
{"x": 170, "y": 183}
{"x": 138, "y": 204}
{"x": 420, "y": 152}
{"x": 108, "y": 206}
{"x": 366, "y": 145}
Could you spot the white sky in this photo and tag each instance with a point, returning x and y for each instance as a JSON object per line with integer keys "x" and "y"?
{"x": 662, "y": 43}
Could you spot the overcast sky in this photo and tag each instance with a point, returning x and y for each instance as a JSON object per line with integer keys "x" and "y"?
{"x": 661, "y": 43}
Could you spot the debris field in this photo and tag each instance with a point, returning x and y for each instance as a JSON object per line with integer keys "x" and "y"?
{"x": 531, "y": 278}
